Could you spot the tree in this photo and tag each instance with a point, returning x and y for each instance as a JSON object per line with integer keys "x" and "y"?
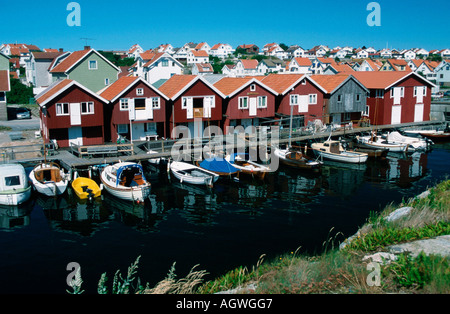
{"x": 284, "y": 47}
{"x": 117, "y": 60}
{"x": 19, "y": 94}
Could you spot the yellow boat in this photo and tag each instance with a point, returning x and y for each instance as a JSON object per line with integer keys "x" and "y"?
{"x": 86, "y": 188}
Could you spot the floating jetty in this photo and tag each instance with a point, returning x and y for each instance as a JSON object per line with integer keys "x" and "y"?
{"x": 163, "y": 148}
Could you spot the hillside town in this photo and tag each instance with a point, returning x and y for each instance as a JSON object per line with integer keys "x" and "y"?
{"x": 143, "y": 94}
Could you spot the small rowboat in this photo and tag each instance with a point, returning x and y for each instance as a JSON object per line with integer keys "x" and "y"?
{"x": 188, "y": 173}
{"x": 246, "y": 166}
{"x": 86, "y": 188}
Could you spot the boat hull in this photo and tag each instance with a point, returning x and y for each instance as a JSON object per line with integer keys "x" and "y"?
{"x": 138, "y": 193}
{"x": 185, "y": 173}
{"x": 367, "y": 143}
{"x": 304, "y": 163}
{"x": 347, "y": 157}
{"x": 17, "y": 197}
{"x": 52, "y": 187}
{"x": 90, "y": 184}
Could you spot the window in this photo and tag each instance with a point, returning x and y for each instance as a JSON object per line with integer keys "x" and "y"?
{"x": 165, "y": 63}
{"x": 379, "y": 93}
{"x": 124, "y": 104}
{"x": 122, "y": 128}
{"x": 294, "y": 100}
{"x": 62, "y": 109}
{"x": 93, "y": 65}
{"x": 87, "y": 107}
{"x": 156, "y": 103}
{"x": 139, "y": 103}
{"x": 366, "y": 112}
{"x": 402, "y": 91}
{"x": 106, "y": 81}
{"x": 12, "y": 181}
{"x": 424, "y": 93}
{"x": 252, "y": 87}
{"x": 2, "y": 96}
{"x": 184, "y": 102}
{"x": 140, "y": 91}
{"x": 243, "y": 102}
{"x": 347, "y": 116}
{"x": 262, "y": 102}
{"x": 312, "y": 99}
{"x": 358, "y": 97}
{"x": 339, "y": 98}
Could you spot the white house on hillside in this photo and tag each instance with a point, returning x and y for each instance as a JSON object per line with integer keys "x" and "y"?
{"x": 197, "y": 56}
{"x": 161, "y": 66}
{"x": 221, "y": 50}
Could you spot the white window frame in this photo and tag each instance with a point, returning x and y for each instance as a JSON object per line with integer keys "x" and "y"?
{"x": 253, "y": 87}
{"x": 92, "y": 68}
{"x": 89, "y": 106}
{"x": 312, "y": 101}
{"x": 402, "y": 91}
{"x": 424, "y": 90}
{"x": 293, "y": 99}
{"x": 243, "y": 100}
{"x": 366, "y": 112}
{"x": 61, "y": 111}
{"x": 124, "y": 104}
{"x": 262, "y": 102}
{"x": 156, "y": 102}
{"x": 184, "y": 102}
{"x": 106, "y": 81}
{"x": 139, "y": 91}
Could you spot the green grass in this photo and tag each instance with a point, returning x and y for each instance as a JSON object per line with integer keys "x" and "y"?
{"x": 334, "y": 271}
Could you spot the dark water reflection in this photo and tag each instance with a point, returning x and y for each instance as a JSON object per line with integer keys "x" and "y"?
{"x": 221, "y": 228}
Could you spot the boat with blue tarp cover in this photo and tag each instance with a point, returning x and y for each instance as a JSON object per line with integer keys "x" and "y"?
{"x": 219, "y": 166}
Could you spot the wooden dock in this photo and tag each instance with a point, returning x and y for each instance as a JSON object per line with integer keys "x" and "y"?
{"x": 163, "y": 149}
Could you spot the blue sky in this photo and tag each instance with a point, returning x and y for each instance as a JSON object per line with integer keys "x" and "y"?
{"x": 116, "y": 25}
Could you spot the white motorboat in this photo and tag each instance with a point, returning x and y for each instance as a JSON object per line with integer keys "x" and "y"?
{"x": 414, "y": 144}
{"x": 188, "y": 173}
{"x": 49, "y": 179}
{"x": 242, "y": 162}
{"x": 126, "y": 181}
{"x": 333, "y": 150}
{"x": 373, "y": 141}
{"x": 14, "y": 186}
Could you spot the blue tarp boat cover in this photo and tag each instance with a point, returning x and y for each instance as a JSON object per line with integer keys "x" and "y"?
{"x": 218, "y": 165}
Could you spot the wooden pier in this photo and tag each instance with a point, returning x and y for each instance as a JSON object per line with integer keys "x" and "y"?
{"x": 163, "y": 148}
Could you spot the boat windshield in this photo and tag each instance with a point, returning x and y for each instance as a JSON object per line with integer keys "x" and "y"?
{"x": 130, "y": 175}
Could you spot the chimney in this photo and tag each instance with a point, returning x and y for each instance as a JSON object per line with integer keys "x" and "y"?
{"x": 61, "y": 50}
{"x": 87, "y": 47}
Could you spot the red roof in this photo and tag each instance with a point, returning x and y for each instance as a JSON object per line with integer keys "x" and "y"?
{"x": 249, "y": 64}
{"x": 175, "y": 84}
{"x": 70, "y": 61}
{"x": 379, "y": 79}
{"x": 52, "y": 91}
{"x": 118, "y": 87}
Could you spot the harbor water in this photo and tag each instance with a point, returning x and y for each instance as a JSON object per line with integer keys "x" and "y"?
{"x": 218, "y": 229}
